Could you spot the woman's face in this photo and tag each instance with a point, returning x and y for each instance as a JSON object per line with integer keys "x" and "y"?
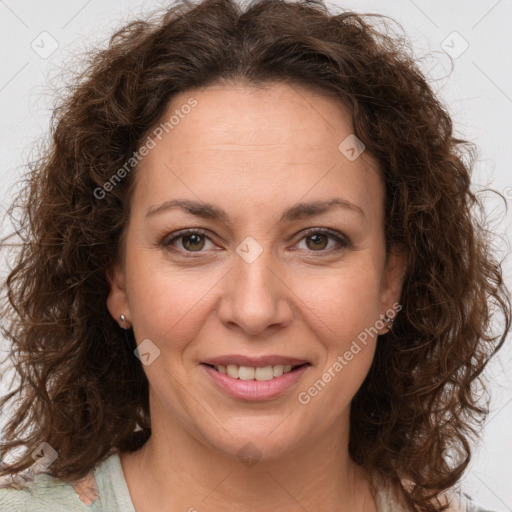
{"x": 272, "y": 271}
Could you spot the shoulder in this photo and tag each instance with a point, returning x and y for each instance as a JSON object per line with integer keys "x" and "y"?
{"x": 388, "y": 500}
{"x": 461, "y": 502}
{"x": 43, "y": 494}
{"x": 475, "y": 507}
{"x": 103, "y": 489}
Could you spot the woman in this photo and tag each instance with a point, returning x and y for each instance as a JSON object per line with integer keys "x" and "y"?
{"x": 251, "y": 278}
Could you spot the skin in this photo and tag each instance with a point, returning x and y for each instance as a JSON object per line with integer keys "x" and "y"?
{"x": 253, "y": 151}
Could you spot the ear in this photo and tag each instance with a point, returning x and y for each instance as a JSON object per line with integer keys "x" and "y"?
{"x": 392, "y": 281}
{"x": 117, "y": 300}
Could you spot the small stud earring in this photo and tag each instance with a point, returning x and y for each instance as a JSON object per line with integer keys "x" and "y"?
{"x": 389, "y": 322}
{"x": 123, "y": 319}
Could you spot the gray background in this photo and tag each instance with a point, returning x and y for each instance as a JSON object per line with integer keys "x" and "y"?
{"x": 478, "y": 93}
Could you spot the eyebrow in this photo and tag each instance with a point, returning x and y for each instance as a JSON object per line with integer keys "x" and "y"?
{"x": 298, "y": 211}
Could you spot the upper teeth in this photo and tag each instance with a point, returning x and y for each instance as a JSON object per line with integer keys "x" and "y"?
{"x": 254, "y": 373}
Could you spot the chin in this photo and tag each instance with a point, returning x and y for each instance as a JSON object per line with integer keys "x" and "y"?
{"x": 256, "y": 444}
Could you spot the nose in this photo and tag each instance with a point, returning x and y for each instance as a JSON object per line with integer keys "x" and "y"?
{"x": 256, "y": 297}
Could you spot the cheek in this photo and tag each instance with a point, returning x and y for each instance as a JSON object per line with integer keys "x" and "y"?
{"x": 342, "y": 312}
{"x": 343, "y": 316}
{"x": 167, "y": 304}
{"x": 343, "y": 303}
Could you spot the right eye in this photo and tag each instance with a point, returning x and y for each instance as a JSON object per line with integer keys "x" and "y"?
{"x": 193, "y": 240}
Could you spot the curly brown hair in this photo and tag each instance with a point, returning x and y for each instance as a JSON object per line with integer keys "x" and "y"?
{"x": 81, "y": 389}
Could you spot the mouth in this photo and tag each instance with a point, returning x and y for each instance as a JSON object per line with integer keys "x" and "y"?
{"x": 255, "y": 383}
{"x": 257, "y": 373}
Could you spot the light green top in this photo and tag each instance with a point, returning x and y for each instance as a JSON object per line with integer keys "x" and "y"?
{"x": 48, "y": 494}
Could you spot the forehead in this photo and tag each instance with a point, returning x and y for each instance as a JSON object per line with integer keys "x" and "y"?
{"x": 269, "y": 143}
{"x": 266, "y": 115}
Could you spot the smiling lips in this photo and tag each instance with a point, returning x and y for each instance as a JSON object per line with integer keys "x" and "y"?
{"x": 255, "y": 378}
{"x": 254, "y": 373}
{"x": 254, "y": 362}
{"x": 260, "y": 368}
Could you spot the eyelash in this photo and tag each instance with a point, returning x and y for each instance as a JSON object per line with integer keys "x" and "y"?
{"x": 343, "y": 243}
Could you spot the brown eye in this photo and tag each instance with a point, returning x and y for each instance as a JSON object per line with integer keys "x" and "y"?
{"x": 318, "y": 241}
{"x": 192, "y": 242}
{"x": 195, "y": 241}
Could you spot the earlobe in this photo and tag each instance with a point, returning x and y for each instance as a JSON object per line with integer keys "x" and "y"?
{"x": 117, "y": 300}
{"x": 394, "y": 275}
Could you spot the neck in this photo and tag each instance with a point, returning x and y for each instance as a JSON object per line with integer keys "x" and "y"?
{"x": 175, "y": 471}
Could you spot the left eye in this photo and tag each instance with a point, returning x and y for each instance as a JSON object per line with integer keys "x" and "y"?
{"x": 316, "y": 241}
{"x": 319, "y": 240}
